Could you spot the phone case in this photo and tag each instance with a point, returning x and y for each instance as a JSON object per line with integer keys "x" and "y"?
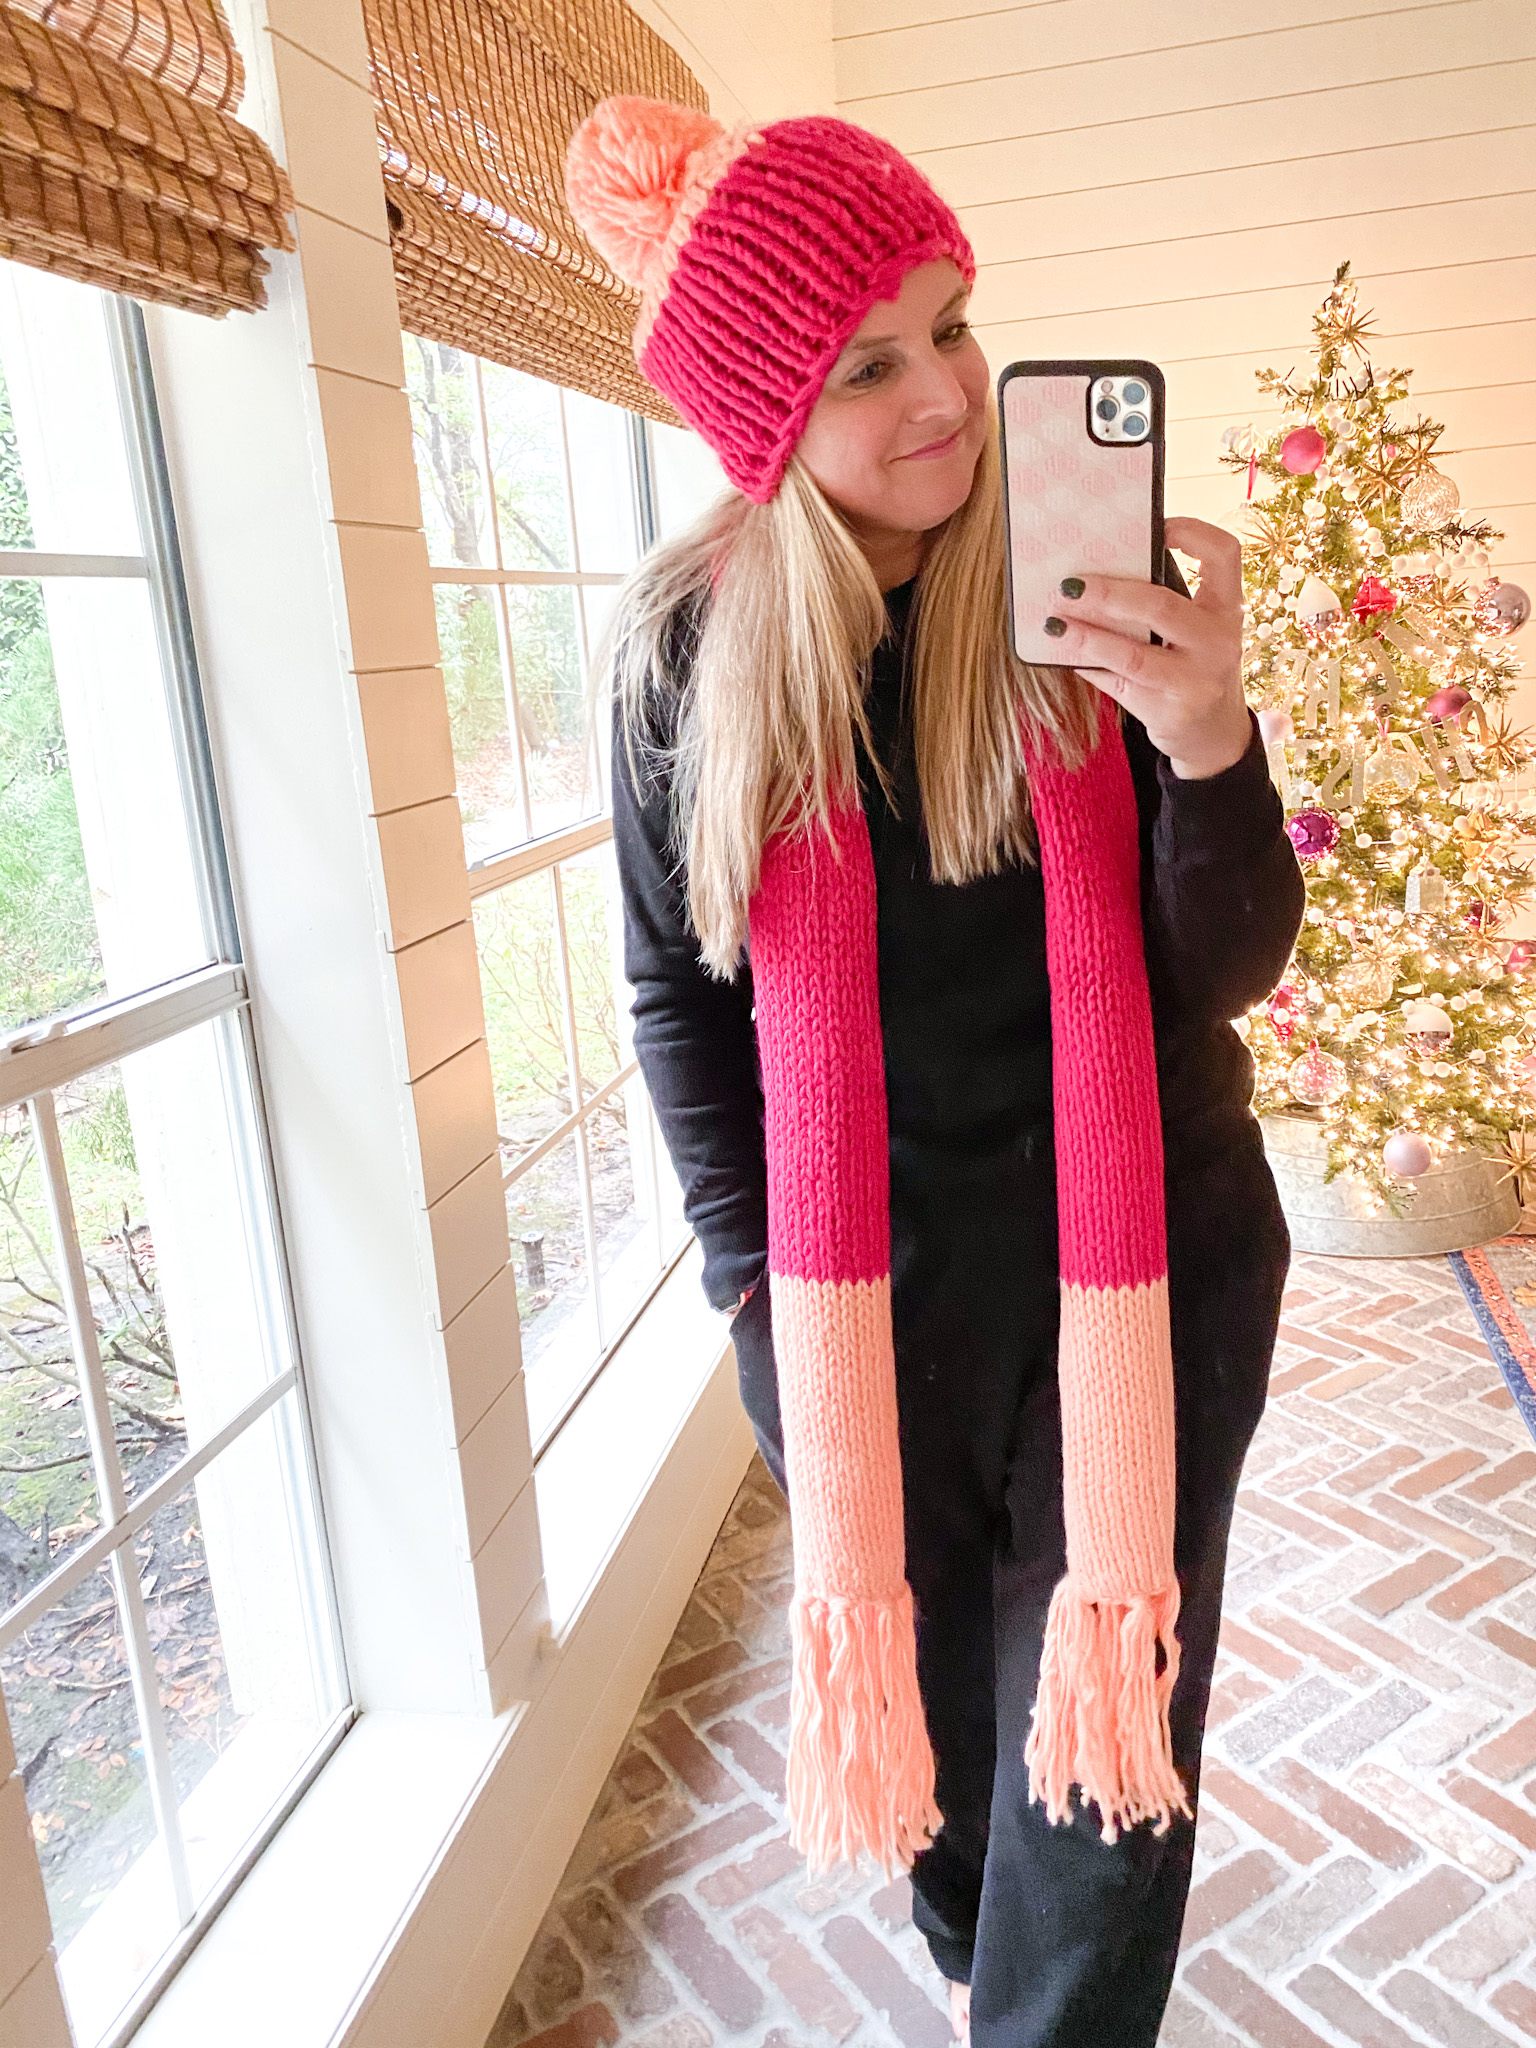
{"x": 1074, "y": 505}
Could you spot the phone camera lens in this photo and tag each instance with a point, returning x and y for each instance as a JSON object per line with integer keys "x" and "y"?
{"x": 1106, "y": 408}
{"x": 1106, "y": 383}
{"x": 1135, "y": 426}
{"x": 1135, "y": 394}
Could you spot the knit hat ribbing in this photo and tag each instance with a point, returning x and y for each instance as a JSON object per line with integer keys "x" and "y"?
{"x": 756, "y": 254}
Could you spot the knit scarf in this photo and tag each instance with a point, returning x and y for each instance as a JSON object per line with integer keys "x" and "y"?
{"x": 860, "y": 1771}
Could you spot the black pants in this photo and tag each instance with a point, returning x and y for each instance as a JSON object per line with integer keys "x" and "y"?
{"x": 1067, "y": 1942}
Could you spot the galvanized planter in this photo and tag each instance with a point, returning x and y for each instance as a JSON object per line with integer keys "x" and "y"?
{"x": 1461, "y": 1201}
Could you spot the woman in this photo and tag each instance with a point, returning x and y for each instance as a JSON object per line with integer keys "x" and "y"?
{"x": 927, "y": 1101}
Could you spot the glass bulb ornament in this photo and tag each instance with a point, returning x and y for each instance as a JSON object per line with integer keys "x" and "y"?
{"x": 1318, "y": 606}
{"x": 1429, "y": 500}
{"x": 1317, "y": 1078}
{"x": 1407, "y": 1155}
{"x": 1503, "y": 608}
{"x": 1313, "y": 833}
{"x": 1303, "y": 451}
{"x": 1520, "y": 957}
{"x": 1429, "y": 1028}
{"x": 1447, "y": 703}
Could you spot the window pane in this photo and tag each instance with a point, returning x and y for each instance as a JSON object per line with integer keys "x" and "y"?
{"x": 233, "y": 1599}
{"x": 686, "y": 473}
{"x": 546, "y": 671}
{"x": 175, "y": 1242}
{"x": 524, "y": 1016}
{"x": 80, "y": 1750}
{"x": 594, "y": 936}
{"x": 628, "y": 1259}
{"x": 490, "y": 791}
{"x": 522, "y": 416}
{"x": 554, "y": 1292}
{"x": 601, "y": 490}
{"x": 445, "y": 428}
{"x": 48, "y": 1498}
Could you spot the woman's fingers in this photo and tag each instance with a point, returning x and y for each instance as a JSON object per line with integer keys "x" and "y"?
{"x": 1085, "y": 644}
{"x": 1220, "y": 556}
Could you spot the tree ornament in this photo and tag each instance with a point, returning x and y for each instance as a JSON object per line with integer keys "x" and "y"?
{"x": 1519, "y": 958}
{"x": 1285, "y": 1011}
{"x": 1302, "y": 451}
{"x": 1429, "y": 1028}
{"x": 1424, "y": 891}
{"x": 1407, "y": 1154}
{"x": 1447, "y": 703}
{"x": 1503, "y": 609}
{"x": 1526, "y": 1069}
{"x": 1317, "y": 1078}
{"x": 1372, "y": 598}
{"x": 1275, "y": 725}
{"x": 1430, "y": 499}
{"x": 1483, "y": 917}
{"x": 1313, "y": 833}
{"x": 1318, "y": 606}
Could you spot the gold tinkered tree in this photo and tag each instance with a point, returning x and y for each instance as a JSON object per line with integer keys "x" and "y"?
{"x": 1377, "y": 656}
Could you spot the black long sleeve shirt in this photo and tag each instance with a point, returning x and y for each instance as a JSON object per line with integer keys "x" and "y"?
{"x": 964, "y": 995}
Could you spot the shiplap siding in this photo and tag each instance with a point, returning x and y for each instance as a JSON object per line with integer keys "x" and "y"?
{"x": 1180, "y": 183}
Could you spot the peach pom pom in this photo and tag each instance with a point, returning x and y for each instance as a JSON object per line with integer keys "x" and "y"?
{"x": 629, "y": 169}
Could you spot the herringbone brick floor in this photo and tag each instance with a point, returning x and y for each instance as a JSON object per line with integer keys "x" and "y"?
{"x": 1366, "y": 1868}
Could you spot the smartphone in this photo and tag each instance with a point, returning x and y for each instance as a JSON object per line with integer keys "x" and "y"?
{"x": 1082, "y": 484}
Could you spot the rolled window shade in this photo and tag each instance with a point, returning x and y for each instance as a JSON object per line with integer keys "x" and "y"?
{"x": 120, "y": 160}
{"x": 476, "y": 102}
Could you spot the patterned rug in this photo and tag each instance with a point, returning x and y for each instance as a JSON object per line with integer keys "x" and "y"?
{"x": 1499, "y": 1281}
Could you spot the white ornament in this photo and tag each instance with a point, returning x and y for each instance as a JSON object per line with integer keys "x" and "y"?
{"x": 1317, "y": 604}
{"x": 1428, "y": 1026}
{"x": 1425, "y": 890}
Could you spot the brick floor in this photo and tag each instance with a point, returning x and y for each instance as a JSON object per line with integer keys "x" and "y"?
{"x": 1366, "y": 1870}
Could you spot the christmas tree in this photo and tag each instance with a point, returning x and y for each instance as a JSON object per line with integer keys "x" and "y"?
{"x": 1377, "y": 656}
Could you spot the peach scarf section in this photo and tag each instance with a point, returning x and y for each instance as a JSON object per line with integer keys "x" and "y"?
{"x": 861, "y": 1774}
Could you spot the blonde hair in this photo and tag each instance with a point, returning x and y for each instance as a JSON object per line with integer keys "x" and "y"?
{"x": 786, "y": 615}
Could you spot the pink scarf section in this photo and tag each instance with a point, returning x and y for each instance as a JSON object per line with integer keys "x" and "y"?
{"x": 860, "y": 1775}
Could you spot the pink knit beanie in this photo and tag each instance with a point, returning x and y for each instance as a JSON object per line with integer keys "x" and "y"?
{"x": 756, "y": 255}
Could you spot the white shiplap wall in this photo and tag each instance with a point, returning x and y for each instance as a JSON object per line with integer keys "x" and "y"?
{"x": 1180, "y": 183}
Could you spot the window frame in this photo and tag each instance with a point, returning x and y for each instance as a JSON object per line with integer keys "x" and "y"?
{"x": 39, "y": 1058}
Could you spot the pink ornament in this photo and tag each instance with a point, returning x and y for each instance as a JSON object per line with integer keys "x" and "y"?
{"x": 1313, "y": 833}
{"x": 1448, "y": 703}
{"x": 1480, "y": 915}
{"x": 1526, "y": 1069}
{"x": 1503, "y": 608}
{"x": 1372, "y": 598}
{"x": 1407, "y": 1155}
{"x": 1520, "y": 956}
{"x": 1302, "y": 451}
{"x": 1284, "y": 1012}
{"x": 1275, "y": 725}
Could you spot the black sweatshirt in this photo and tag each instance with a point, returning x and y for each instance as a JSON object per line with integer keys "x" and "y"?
{"x": 964, "y": 995}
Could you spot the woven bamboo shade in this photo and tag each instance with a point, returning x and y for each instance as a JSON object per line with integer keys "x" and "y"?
{"x": 120, "y": 160}
{"x": 476, "y": 102}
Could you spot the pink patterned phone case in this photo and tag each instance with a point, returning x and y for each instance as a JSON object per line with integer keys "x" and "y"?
{"x": 1074, "y": 505}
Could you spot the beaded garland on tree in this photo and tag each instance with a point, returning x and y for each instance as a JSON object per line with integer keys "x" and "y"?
{"x": 1376, "y": 652}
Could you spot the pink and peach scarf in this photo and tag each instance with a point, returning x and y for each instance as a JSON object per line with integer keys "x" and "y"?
{"x": 861, "y": 1774}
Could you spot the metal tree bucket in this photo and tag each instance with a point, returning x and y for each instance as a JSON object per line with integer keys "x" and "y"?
{"x": 1462, "y": 1201}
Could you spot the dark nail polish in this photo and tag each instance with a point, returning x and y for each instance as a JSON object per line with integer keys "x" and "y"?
{"x": 1055, "y": 627}
{"x": 1072, "y": 586}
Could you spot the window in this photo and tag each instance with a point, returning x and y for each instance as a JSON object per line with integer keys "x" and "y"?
{"x": 168, "y": 1651}
{"x": 537, "y": 502}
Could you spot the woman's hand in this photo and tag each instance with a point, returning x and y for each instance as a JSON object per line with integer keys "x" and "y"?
{"x": 1188, "y": 693}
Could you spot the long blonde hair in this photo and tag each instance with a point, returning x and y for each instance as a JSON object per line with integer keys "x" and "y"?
{"x": 787, "y": 614}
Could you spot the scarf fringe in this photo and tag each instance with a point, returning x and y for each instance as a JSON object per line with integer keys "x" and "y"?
{"x": 860, "y": 1774}
{"x": 1101, "y": 1714}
